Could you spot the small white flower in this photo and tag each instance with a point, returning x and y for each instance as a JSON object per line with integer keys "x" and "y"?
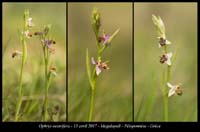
{"x": 29, "y": 22}
{"x": 53, "y": 70}
{"x": 27, "y": 34}
{"x": 16, "y": 53}
{"x": 174, "y": 89}
{"x": 166, "y": 58}
{"x": 169, "y": 56}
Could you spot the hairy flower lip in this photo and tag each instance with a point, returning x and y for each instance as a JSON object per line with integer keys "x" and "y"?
{"x": 166, "y": 58}
{"x": 163, "y": 41}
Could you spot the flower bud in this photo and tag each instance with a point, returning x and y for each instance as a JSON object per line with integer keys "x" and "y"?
{"x": 96, "y": 22}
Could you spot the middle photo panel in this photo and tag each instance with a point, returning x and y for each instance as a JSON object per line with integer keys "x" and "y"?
{"x": 100, "y": 62}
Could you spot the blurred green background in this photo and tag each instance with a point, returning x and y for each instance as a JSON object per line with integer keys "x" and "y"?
{"x": 181, "y": 29}
{"x": 33, "y": 80}
{"x": 113, "y": 100}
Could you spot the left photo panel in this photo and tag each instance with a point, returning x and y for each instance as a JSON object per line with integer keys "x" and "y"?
{"x": 34, "y": 62}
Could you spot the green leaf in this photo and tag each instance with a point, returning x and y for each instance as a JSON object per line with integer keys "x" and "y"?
{"x": 113, "y": 36}
{"x": 88, "y": 67}
{"x": 150, "y": 98}
{"x": 138, "y": 114}
{"x": 176, "y": 53}
{"x": 47, "y": 28}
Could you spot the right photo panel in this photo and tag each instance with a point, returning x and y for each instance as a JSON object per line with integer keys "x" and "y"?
{"x": 165, "y": 62}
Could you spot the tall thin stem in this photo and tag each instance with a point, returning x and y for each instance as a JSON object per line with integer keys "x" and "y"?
{"x": 96, "y": 23}
{"x": 20, "y": 94}
{"x": 166, "y": 96}
{"x": 165, "y": 91}
{"x": 47, "y": 82}
{"x": 93, "y": 87}
{"x": 165, "y": 107}
{"x": 24, "y": 53}
{"x": 92, "y": 96}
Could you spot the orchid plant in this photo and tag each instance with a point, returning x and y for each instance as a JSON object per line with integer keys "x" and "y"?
{"x": 49, "y": 69}
{"x": 24, "y": 35}
{"x": 102, "y": 43}
{"x": 168, "y": 59}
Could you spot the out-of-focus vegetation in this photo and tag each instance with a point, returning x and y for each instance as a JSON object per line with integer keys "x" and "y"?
{"x": 113, "y": 99}
{"x": 33, "y": 80}
{"x": 181, "y": 28}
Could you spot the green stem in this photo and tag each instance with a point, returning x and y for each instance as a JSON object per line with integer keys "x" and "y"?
{"x": 165, "y": 107}
{"x": 168, "y": 73}
{"x": 20, "y": 94}
{"x": 45, "y": 116}
{"x": 47, "y": 83}
{"x": 92, "y": 95}
{"x": 98, "y": 44}
{"x": 93, "y": 86}
{"x": 91, "y": 104}
{"x": 24, "y": 54}
{"x": 165, "y": 91}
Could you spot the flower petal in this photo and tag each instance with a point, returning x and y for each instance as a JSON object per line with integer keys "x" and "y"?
{"x": 169, "y": 85}
{"x": 159, "y": 46}
{"x": 27, "y": 34}
{"x": 54, "y": 73}
{"x": 169, "y": 55}
{"x": 93, "y": 61}
{"x": 171, "y": 92}
{"x": 18, "y": 52}
{"x": 168, "y": 62}
{"x": 167, "y": 42}
{"x": 29, "y": 22}
{"x": 98, "y": 70}
{"x": 48, "y": 45}
{"x": 106, "y": 38}
{"x": 30, "y": 19}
